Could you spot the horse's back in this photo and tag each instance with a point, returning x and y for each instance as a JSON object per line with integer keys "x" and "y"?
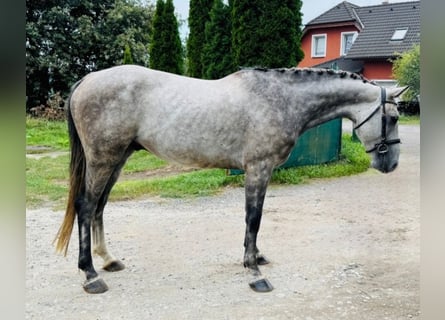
{"x": 181, "y": 119}
{"x": 131, "y": 88}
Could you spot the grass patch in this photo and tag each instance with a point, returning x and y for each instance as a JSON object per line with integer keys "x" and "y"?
{"x": 198, "y": 183}
{"x": 47, "y": 178}
{"x": 141, "y": 161}
{"x": 209, "y": 182}
{"x": 52, "y": 134}
{"x": 353, "y": 160}
{"x": 409, "y": 119}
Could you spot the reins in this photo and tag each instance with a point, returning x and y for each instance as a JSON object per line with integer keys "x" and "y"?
{"x": 382, "y": 146}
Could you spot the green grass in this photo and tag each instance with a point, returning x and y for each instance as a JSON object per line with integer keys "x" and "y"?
{"x": 141, "y": 161}
{"x": 208, "y": 182}
{"x": 409, "y": 119}
{"x": 47, "y": 178}
{"x": 353, "y": 160}
{"x": 198, "y": 183}
{"x": 44, "y": 133}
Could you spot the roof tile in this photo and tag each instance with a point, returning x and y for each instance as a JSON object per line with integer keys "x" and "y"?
{"x": 342, "y": 12}
{"x": 379, "y": 23}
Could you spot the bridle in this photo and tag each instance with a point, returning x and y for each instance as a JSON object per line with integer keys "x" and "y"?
{"x": 382, "y": 146}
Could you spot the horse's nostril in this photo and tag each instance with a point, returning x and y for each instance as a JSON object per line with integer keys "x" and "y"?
{"x": 389, "y": 168}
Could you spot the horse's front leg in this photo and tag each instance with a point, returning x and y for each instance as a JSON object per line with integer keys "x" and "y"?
{"x": 257, "y": 179}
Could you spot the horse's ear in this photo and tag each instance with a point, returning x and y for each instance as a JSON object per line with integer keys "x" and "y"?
{"x": 397, "y": 91}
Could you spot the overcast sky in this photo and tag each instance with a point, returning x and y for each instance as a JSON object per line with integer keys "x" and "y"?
{"x": 310, "y": 9}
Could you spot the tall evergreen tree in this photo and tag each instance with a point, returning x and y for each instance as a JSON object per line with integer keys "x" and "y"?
{"x": 128, "y": 59}
{"x": 199, "y": 11}
{"x": 217, "y": 60}
{"x": 266, "y": 33}
{"x": 166, "y": 52}
{"x": 156, "y": 43}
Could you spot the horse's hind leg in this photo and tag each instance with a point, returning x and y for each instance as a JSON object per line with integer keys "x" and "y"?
{"x": 257, "y": 179}
{"x": 261, "y": 260}
{"x": 99, "y": 246}
{"x": 98, "y": 174}
{"x": 85, "y": 207}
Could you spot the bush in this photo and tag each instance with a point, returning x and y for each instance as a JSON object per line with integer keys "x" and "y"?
{"x": 409, "y": 108}
{"x": 52, "y": 110}
{"x": 406, "y": 70}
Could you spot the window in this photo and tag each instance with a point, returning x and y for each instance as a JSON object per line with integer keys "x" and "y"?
{"x": 347, "y": 39}
{"x": 399, "y": 34}
{"x": 319, "y": 45}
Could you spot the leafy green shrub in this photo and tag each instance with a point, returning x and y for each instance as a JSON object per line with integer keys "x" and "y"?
{"x": 406, "y": 69}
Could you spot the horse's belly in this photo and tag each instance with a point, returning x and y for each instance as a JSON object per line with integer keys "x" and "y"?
{"x": 198, "y": 153}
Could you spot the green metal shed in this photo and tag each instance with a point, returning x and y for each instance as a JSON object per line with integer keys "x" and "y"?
{"x": 321, "y": 144}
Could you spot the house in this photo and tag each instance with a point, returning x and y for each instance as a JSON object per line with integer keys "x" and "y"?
{"x": 362, "y": 39}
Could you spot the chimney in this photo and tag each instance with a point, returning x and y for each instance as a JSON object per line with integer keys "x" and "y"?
{"x": 385, "y": 1}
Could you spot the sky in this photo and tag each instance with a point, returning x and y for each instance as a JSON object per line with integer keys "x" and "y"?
{"x": 310, "y": 9}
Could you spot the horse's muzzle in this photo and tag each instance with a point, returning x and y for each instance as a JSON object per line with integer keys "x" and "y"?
{"x": 385, "y": 167}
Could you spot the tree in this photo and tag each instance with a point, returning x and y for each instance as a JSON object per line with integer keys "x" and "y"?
{"x": 199, "y": 15}
{"x": 128, "y": 22}
{"x": 156, "y": 55}
{"x": 128, "y": 59}
{"x": 53, "y": 57}
{"x": 406, "y": 70}
{"x": 266, "y": 33}
{"x": 67, "y": 39}
{"x": 166, "y": 52}
{"x": 216, "y": 58}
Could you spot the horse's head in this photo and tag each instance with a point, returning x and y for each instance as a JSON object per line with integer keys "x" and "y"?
{"x": 379, "y": 131}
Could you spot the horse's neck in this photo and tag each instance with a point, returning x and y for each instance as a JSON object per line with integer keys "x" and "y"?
{"x": 351, "y": 99}
{"x": 310, "y": 98}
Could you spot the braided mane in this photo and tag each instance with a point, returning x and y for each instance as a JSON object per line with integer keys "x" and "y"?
{"x": 315, "y": 71}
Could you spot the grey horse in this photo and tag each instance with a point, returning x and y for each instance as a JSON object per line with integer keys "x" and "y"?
{"x": 249, "y": 120}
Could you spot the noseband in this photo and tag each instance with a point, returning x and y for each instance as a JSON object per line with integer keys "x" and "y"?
{"x": 382, "y": 146}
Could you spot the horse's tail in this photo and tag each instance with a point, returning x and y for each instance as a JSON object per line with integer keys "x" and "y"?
{"x": 77, "y": 181}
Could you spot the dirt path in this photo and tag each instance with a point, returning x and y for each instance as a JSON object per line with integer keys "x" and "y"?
{"x": 345, "y": 248}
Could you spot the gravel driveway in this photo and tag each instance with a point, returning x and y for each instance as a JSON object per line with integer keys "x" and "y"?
{"x": 343, "y": 248}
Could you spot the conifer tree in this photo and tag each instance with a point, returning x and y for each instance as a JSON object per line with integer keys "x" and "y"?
{"x": 166, "y": 52}
{"x": 128, "y": 59}
{"x": 199, "y": 11}
{"x": 217, "y": 60}
{"x": 156, "y": 43}
{"x": 266, "y": 33}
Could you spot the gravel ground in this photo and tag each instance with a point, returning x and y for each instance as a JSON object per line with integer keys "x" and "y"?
{"x": 344, "y": 248}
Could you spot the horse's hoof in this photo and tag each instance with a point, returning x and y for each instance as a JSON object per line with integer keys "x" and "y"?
{"x": 262, "y": 260}
{"x": 114, "y": 266}
{"x": 262, "y": 285}
{"x": 96, "y": 285}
